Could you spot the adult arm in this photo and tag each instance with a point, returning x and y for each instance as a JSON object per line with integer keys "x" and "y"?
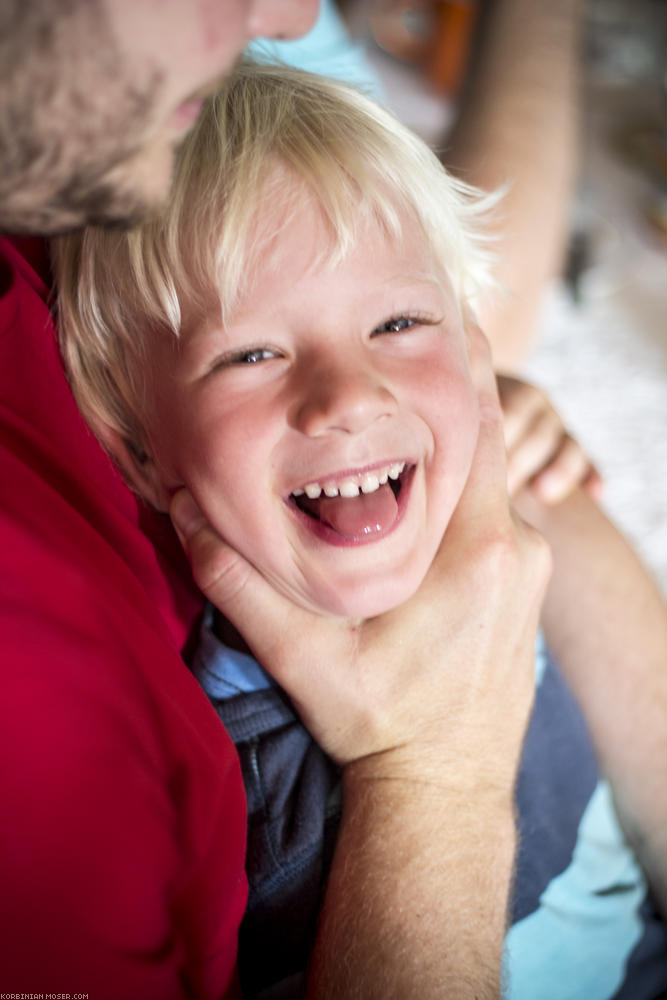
{"x": 425, "y": 708}
{"x": 606, "y": 622}
{"x": 518, "y": 125}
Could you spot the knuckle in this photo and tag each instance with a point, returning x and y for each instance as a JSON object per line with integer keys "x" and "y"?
{"x": 533, "y": 394}
{"x": 577, "y": 455}
{"x": 520, "y": 554}
{"x": 499, "y": 555}
{"x": 543, "y": 399}
{"x": 218, "y": 572}
{"x": 548, "y": 423}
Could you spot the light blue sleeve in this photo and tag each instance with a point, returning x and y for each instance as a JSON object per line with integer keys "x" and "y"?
{"x": 327, "y": 49}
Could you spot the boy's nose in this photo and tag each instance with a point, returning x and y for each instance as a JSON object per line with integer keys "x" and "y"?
{"x": 281, "y": 19}
{"x": 342, "y": 400}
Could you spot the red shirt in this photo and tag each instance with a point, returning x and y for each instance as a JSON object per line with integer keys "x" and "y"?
{"x": 122, "y": 814}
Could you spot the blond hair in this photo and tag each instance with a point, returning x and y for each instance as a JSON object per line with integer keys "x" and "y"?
{"x": 269, "y": 126}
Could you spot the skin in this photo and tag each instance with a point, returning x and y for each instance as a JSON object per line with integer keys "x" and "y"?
{"x": 429, "y": 741}
{"x": 322, "y": 373}
{"x": 97, "y": 144}
{"x": 517, "y": 125}
{"x": 540, "y": 452}
{"x": 421, "y": 738}
{"x": 423, "y": 743}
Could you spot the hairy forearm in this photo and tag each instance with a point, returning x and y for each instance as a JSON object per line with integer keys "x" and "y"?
{"x": 606, "y": 622}
{"x": 518, "y": 126}
{"x": 417, "y": 899}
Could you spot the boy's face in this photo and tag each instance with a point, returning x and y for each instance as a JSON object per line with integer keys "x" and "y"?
{"x": 326, "y": 378}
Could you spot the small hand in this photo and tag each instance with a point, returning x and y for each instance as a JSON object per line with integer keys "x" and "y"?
{"x": 541, "y": 455}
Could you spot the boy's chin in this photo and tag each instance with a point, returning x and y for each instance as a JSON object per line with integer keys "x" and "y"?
{"x": 356, "y": 608}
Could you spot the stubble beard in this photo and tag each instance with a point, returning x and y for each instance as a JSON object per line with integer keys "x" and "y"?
{"x": 80, "y": 148}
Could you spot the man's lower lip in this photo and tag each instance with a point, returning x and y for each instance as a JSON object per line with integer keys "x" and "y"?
{"x": 331, "y": 537}
{"x": 187, "y": 113}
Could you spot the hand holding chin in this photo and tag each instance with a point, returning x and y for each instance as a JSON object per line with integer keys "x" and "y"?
{"x": 440, "y": 687}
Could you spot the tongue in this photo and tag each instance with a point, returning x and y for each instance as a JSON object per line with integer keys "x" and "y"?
{"x": 366, "y": 514}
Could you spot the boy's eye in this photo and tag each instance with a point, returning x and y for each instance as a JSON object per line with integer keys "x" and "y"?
{"x": 250, "y": 357}
{"x": 395, "y": 325}
{"x": 253, "y": 356}
{"x": 243, "y": 358}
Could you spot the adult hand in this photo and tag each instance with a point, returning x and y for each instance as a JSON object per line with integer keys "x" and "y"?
{"x": 441, "y": 686}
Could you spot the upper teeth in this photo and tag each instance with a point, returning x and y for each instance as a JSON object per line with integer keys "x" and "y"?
{"x": 350, "y": 486}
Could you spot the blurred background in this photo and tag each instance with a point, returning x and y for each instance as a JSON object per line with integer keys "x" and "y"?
{"x": 600, "y": 345}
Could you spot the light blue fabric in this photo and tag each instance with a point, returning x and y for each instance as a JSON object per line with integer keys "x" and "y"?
{"x": 576, "y": 945}
{"x": 541, "y": 658}
{"x": 327, "y": 49}
{"x": 224, "y": 672}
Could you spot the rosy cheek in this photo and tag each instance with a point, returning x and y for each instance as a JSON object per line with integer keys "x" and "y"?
{"x": 458, "y": 427}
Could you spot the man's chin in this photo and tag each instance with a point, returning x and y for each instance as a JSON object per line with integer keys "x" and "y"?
{"x": 103, "y": 207}
{"x": 122, "y": 196}
{"x": 135, "y": 190}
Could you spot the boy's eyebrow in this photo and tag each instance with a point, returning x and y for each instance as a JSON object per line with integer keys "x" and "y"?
{"x": 399, "y": 282}
{"x": 419, "y": 279}
{"x": 194, "y": 344}
{"x": 439, "y": 282}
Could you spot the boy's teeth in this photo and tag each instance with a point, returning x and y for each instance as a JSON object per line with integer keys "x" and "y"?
{"x": 369, "y": 482}
{"x": 348, "y": 488}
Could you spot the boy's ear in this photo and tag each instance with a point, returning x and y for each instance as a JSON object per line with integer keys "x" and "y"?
{"x": 137, "y": 467}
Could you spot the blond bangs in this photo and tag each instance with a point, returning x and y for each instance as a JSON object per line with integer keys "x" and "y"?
{"x": 269, "y": 132}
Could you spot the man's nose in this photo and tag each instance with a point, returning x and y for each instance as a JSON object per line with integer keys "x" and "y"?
{"x": 281, "y": 19}
{"x": 343, "y": 400}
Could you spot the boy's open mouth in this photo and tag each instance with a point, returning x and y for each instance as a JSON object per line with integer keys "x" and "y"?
{"x": 358, "y": 508}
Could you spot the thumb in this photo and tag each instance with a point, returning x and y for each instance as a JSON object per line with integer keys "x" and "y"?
{"x": 231, "y": 583}
{"x": 218, "y": 570}
{"x": 291, "y": 643}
